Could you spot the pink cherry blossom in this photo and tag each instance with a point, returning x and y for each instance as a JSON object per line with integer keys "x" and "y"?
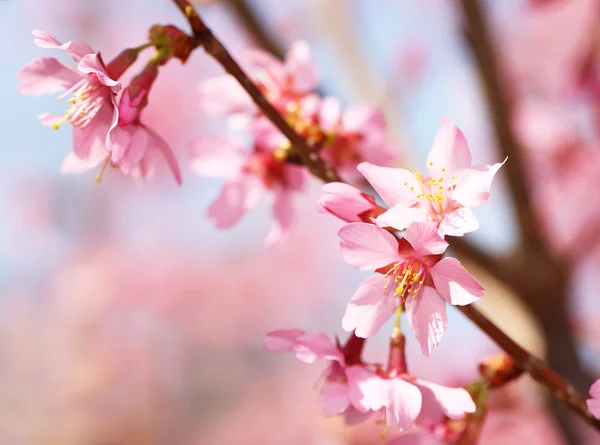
{"x": 355, "y": 135}
{"x": 348, "y": 203}
{"x": 444, "y": 197}
{"x": 91, "y": 107}
{"x": 594, "y": 403}
{"x": 248, "y": 176}
{"x": 410, "y": 273}
{"x": 348, "y": 389}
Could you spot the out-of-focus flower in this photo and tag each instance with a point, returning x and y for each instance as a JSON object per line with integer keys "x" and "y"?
{"x": 348, "y": 203}
{"x": 92, "y": 91}
{"x": 248, "y": 176}
{"x": 410, "y": 273}
{"x": 444, "y": 197}
{"x": 594, "y": 403}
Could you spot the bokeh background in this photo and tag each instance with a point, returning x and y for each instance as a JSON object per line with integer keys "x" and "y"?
{"x": 125, "y": 318}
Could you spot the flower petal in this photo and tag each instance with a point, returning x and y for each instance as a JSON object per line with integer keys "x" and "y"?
{"x": 595, "y": 389}
{"x": 454, "y": 283}
{"x": 75, "y": 48}
{"x": 402, "y": 403}
{"x": 91, "y": 64}
{"x": 427, "y": 317}
{"x": 330, "y": 114}
{"x": 449, "y": 151}
{"x": 224, "y": 95}
{"x": 367, "y": 247}
{"x": 392, "y": 184}
{"x": 312, "y": 347}
{"x": 364, "y": 389}
{"x": 283, "y": 218}
{"x": 334, "y": 398}
{"x": 156, "y": 143}
{"x": 280, "y": 340}
{"x": 425, "y": 239}
{"x": 400, "y": 216}
{"x": 437, "y": 399}
{"x": 301, "y": 68}
{"x": 215, "y": 155}
{"x": 370, "y": 307}
{"x": 344, "y": 201}
{"x": 473, "y": 185}
{"x": 237, "y": 197}
{"x": 458, "y": 222}
{"x": 364, "y": 119}
{"x": 46, "y": 75}
{"x": 353, "y": 417}
{"x": 594, "y": 407}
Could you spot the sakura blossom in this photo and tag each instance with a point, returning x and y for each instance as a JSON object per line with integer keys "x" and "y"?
{"x": 445, "y": 196}
{"x": 91, "y": 105}
{"x": 594, "y": 403}
{"x": 410, "y": 273}
{"x": 249, "y": 175}
{"x": 348, "y": 203}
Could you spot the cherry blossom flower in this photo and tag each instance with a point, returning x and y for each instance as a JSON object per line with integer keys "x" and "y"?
{"x": 410, "y": 273}
{"x": 349, "y": 389}
{"x": 348, "y": 203}
{"x": 92, "y": 90}
{"x": 356, "y": 392}
{"x": 355, "y": 135}
{"x": 444, "y": 197}
{"x": 593, "y": 404}
{"x": 248, "y": 176}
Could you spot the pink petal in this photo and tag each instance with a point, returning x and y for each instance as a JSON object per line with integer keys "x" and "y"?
{"x": 75, "y": 48}
{"x": 330, "y": 114}
{"x": 364, "y": 119}
{"x": 402, "y": 403}
{"x": 280, "y": 340}
{"x": 300, "y": 66}
{"x": 364, "y": 389}
{"x": 449, "y": 151}
{"x": 136, "y": 149}
{"x": 425, "y": 239}
{"x": 453, "y": 402}
{"x": 236, "y": 198}
{"x": 389, "y": 183}
{"x": 49, "y": 119}
{"x": 427, "y": 318}
{"x": 92, "y": 138}
{"x": 371, "y": 306}
{"x": 353, "y": 417}
{"x": 295, "y": 177}
{"x": 594, "y": 407}
{"x": 119, "y": 140}
{"x": 220, "y": 156}
{"x": 473, "y": 185}
{"x": 378, "y": 151}
{"x": 454, "y": 283}
{"x": 91, "y": 64}
{"x": 46, "y": 75}
{"x": 595, "y": 390}
{"x": 312, "y": 347}
{"x": 400, "y": 216}
{"x": 156, "y": 143}
{"x": 270, "y": 65}
{"x": 283, "y": 219}
{"x": 73, "y": 164}
{"x": 334, "y": 398}
{"x": 458, "y": 222}
{"x": 224, "y": 96}
{"x": 367, "y": 247}
{"x": 344, "y": 201}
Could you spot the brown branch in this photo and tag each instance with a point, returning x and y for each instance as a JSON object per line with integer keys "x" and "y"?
{"x": 536, "y": 368}
{"x": 479, "y": 41}
{"x": 215, "y": 48}
{"x": 539, "y": 370}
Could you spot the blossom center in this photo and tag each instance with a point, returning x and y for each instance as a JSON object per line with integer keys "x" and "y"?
{"x": 433, "y": 193}
{"x": 408, "y": 276}
{"x": 87, "y": 97}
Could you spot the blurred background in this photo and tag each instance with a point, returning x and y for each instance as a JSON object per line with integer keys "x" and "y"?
{"x": 125, "y": 318}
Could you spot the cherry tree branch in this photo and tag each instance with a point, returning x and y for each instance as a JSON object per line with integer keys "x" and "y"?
{"x": 538, "y": 369}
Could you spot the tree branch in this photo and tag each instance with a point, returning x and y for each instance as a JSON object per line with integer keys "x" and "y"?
{"x": 539, "y": 370}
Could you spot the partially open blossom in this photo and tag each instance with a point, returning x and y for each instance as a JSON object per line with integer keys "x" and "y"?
{"x": 358, "y": 134}
{"x": 91, "y": 97}
{"x": 348, "y": 203}
{"x": 593, "y": 404}
{"x": 348, "y": 389}
{"x": 410, "y": 272}
{"x": 249, "y": 175}
{"x": 444, "y": 197}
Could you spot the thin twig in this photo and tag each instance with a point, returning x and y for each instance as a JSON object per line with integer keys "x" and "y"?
{"x": 538, "y": 369}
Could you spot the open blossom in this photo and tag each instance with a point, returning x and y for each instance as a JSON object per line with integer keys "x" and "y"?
{"x": 91, "y": 91}
{"x": 443, "y": 197}
{"x": 593, "y": 404}
{"x": 348, "y": 203}
{"x": 410, "y": 272}
{"x": 356, "y": 391}
{"x": 249, "y": 175}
